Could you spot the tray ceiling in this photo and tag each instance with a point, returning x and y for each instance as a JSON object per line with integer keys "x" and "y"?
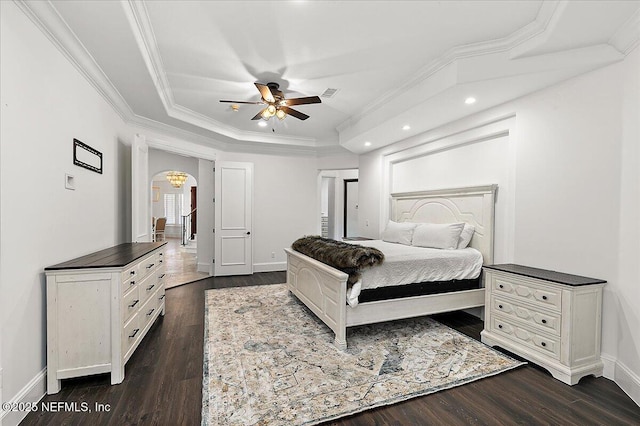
{"x": 165, "y": 65}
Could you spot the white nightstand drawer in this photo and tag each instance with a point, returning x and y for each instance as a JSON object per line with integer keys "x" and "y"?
{"x": 527, "y": 336}
{"x": 549, "y": 322}
{"x": 523, "y": 289}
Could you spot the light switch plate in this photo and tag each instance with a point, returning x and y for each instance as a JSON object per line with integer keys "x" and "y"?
{"x": 69, "y": 181}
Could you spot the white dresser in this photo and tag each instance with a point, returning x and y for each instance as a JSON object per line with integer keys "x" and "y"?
{"x": 550, "y": 318}
{"x": 99, "y": 308}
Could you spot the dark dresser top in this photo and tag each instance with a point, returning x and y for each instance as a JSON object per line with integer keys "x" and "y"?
{"x": 544, "y": 274}
{"x": 112, "y": 257}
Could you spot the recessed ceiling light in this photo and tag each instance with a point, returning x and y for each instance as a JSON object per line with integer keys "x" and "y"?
{"x": 262, "y": 123}
{"x": 406, "y": 127}
{"x": 367, "y": 143}
{"x": 470, "y": 100}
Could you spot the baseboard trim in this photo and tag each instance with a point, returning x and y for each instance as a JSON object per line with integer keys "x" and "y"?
{"x": 609, "y": 366}
{"x": 204, "y": 267}
{"x": 628, "y": 381}
{"x": 32, "y": 392}
{"x": 270, "y": 267}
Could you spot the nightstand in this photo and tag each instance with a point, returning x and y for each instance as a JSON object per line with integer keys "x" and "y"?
{"x": 549, "y": 318}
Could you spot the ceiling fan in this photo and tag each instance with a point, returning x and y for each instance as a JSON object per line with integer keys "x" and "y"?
{"x": 277, "y": 104}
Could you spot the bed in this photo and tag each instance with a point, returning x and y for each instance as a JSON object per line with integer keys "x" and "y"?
{"x": 323, "y": 289}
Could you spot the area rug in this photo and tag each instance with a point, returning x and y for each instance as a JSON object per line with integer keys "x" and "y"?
{"x": 269, "y": 361}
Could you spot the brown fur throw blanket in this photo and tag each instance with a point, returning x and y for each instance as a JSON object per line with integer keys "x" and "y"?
{"x": 349, "y": 258}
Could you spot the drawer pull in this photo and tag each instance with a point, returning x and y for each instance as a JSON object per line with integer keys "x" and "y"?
{"x": 544, "y": 321}
{"x": 151, "y": 311}
{"x": 132, "y": 282}
{"x": 150, "y": 287}
{"x": 544, "y": 297}
{"x": 161, "y": 297}
{"x": 135, "y": 302}
{"x": 501, "y": 286}
{"x": 150, "y": 266}
{"x": 160, "y": 260}
{"x": 161, "y": 276}
{"x": 499, "y": 325}
{"x": 134, "y": 333}
{"x": 500, "y": 306}
{"x": 160, "y": 254}
{"x": 543, "y": 343}
{"x": 132, "y": 272}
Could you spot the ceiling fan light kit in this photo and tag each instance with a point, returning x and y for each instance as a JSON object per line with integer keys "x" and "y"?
{"x": 277, "y": 104}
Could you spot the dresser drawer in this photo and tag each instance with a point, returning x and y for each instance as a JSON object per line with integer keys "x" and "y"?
{"x": 130, "y": 277}
{"x": 147, "y": 266}
{"x": 160, "y": 296}
{"x": 148, "y": 311}
{"x": 148, "y": 286}
{"x": 549, "y": 322}
{"x": 130, "y": 304}
{"x": 131, "y": 332}
{"x": 525, "y": 290}
{"x": 527, "y": 336}
{"x": 160, "y": 258}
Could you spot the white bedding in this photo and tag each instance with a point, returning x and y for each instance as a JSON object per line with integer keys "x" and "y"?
{"x": 408, "y": 264}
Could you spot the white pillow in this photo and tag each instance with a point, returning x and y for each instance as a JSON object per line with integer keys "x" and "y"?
{"x": 435, "y": 235}
{"x": 397, "y": 232}
{"x": 466, "y": 235}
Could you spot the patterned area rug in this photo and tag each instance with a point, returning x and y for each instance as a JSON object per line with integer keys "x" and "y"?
{"x": 269, "y": 360}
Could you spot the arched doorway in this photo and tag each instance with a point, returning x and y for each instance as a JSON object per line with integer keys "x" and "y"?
{"x": 175, "y": 200}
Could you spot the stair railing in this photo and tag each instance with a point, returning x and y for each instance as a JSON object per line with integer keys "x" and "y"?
{"x": 185, "y": 221}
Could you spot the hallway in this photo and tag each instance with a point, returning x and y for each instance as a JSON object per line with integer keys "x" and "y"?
{"x": 181, "y": 264}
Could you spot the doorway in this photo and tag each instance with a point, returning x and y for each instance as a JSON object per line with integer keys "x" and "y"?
{"x": 350, "y": 208}
{"x": 334, "y": 186}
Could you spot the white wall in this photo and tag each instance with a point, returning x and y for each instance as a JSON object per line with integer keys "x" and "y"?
{"x": 483, "y": 160}
{"x": 285, "y": 204}
{"x": 45, "y": 103}
{"x": 162, "y": 161}
{"x": 574, "y": 164}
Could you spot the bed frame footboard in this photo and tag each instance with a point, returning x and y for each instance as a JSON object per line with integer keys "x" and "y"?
{"x": 322, "y": 289}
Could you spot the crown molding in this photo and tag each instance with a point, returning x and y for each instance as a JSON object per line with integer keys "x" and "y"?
{"x": 47, "y": 19}
{"x": 140, "y": 23}
{"x": 528, "y": 32}
{"x": 627, "y": 37}
{"x": 187, "y": 115}
{"x": 44, "y": 15}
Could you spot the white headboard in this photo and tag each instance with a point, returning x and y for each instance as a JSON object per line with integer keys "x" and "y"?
{"x": 473, "y": 205}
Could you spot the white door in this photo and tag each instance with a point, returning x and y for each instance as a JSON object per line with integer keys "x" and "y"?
{"x": 233, "y": 218}
{"x": 140, "y": 191}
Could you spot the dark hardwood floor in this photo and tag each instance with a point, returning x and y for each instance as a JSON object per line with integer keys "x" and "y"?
{"x": 163, "y": 384}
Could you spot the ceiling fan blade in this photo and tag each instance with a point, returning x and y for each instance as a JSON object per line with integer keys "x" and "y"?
{"x": 265, "y": 92}
{"x": 303, "y": 101}
{"x": 243, "y": 102}
{"x": 294, "y": 113}
{"x": 258, "y": 116}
